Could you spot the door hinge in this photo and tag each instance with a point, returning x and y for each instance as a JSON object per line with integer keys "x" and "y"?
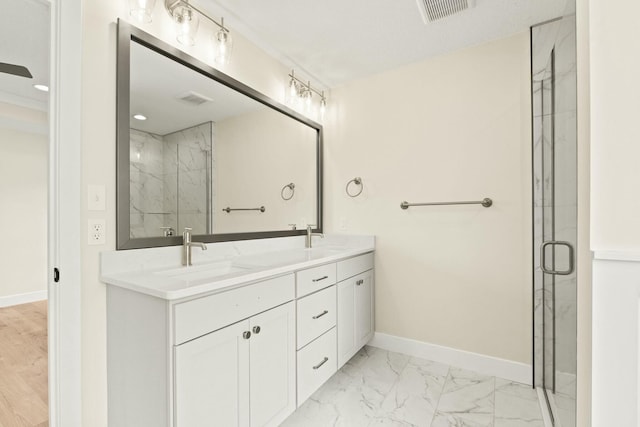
{"x": 56, "y": 275}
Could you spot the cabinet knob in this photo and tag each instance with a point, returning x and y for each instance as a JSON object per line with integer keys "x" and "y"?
{"x": 246, "y": 335}
{"x": 359, "y": 282}
{"x": 256, "y": 329}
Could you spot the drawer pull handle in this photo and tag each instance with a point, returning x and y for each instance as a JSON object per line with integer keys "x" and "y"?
{"x": 246, "y": 335}
{"x": 321, "y": 363}
{"x": 317, "y": 316}
{"x": 321, "y": 278}
{"x": 256, "y": 330}
{"x": 360, "y": 282}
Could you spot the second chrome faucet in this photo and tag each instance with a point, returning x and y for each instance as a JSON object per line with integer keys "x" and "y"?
{"x": 308, "y": 243}
{"x": 187, "y": 244}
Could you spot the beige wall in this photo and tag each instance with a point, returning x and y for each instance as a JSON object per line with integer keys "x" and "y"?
{"x": 456, "y": 127}
{"x": 249, "y": 65}
{"x": 256, "y": 154}
{"x": 612, "y": 35}
{"x": 615, "y": 135}
{"x": 23, "y": 192}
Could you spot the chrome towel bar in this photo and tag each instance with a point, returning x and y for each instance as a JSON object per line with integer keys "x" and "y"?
{"x": 228, "y": 209}
{"x": 486, "y": 202}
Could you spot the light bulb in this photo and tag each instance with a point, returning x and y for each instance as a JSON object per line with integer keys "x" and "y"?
{"x": 222, "y": 46}
{"x": 187, "y": 22}
{"x": 141, "y": 10}
{"x": 323, "y": 107}
{"x": 293, "y": 88}
{"x": 307, "y": 99}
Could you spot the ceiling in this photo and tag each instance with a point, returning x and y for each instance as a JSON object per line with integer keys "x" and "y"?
{"x": 330, "y": 41}
{"x": 335, "y": 41}
{"x": 24, "y": 40}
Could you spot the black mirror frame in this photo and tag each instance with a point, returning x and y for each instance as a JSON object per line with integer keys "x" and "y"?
{"x": 128, "y": 33}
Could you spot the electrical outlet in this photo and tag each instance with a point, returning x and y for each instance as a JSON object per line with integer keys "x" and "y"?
{"x": 96, "y": 232}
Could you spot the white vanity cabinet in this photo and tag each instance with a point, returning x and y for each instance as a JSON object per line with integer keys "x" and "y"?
{"x": 225, "y": 359}
{"x": 244, "y": 353}
{"x": 355, "y": 305}
{"x": 241, "y": 375}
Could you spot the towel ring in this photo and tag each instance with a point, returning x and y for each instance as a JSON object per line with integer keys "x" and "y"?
{"x": 357, "y": 181}
{"x": 291, "y": 187}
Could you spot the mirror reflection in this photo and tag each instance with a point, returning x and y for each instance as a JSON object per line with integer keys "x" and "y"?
{"x": 204, "y": 156}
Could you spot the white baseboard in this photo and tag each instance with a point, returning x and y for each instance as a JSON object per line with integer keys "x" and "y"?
{"x": 22, "y": 298}
{"x": 487, "y": 365}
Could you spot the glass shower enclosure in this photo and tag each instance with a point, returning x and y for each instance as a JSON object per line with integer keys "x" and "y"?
{"x": 553, "y": 49}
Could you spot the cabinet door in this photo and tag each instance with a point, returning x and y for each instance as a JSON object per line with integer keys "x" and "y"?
{"x": 346, "y": 322}
{"x": 272, "y": 366}
{"x": 364, "y": 308}
{"x": 212, "y": 379}
{"x": 355, "y": 315}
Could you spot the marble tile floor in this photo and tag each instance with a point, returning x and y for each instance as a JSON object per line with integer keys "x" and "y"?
{"x": 381, "y": 388}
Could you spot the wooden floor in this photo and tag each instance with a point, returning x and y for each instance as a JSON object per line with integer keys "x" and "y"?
{"x": 23, "y": 365}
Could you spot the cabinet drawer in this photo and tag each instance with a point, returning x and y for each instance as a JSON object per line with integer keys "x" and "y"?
{"x": 356, "y": 265}
{"x": 200, "y": 316}
{"x": 316, "y": 315}
{"x": 316, "y": 364}
{"x": 314, "y": 279}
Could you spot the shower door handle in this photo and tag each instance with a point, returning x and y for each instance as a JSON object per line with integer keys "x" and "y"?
{"x": 543, "y": 258}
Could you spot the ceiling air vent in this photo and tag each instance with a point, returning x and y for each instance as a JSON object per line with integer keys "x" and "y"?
{"x": 194, "y": 98}
{"x": 433, "y": 10}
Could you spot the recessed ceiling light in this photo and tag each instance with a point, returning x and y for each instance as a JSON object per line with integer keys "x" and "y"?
{"x": 43, "y": 88}
{"x": 139, "y": 117}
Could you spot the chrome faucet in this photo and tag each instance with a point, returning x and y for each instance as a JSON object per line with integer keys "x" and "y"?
{"x": 308, "y": 240}
{"x": 187, "y": 244}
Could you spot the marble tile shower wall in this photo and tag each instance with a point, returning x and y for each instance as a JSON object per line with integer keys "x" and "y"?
{"x": 555, "y": 123}
{"x": 147, "y": 184}
{"x": 169, "y": 180}
{"x": 185, "y": 198}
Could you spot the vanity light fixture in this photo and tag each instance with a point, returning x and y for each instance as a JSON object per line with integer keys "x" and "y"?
{"x": 187, "y": 23}
{"x": 222, "y": 44}
{"x": 139, "y": 117}
{"x": 187, "y": 18}
{"x": 141, "y": 10}
{"x": 323, "y": 105}
{"x": 43, "y": 88}
{"x": 301, "y": 95}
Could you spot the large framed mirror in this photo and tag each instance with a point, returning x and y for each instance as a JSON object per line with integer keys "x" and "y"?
{"x": 198, "y": 149}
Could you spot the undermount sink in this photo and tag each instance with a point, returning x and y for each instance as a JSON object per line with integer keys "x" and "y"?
{"x": 273, "y": 259}
{"x": 206, "y": 271}
{"x": 321, "y": 251}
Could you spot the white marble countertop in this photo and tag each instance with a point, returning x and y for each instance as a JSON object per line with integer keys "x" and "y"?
{"x": 157, "y": 271}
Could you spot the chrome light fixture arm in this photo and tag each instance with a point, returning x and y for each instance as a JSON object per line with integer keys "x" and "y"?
{"x": 172, "y": 5}
{"x": 304, "y": 87}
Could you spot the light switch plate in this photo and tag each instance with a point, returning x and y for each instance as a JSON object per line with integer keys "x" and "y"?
{"x": 96, "y": 195}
